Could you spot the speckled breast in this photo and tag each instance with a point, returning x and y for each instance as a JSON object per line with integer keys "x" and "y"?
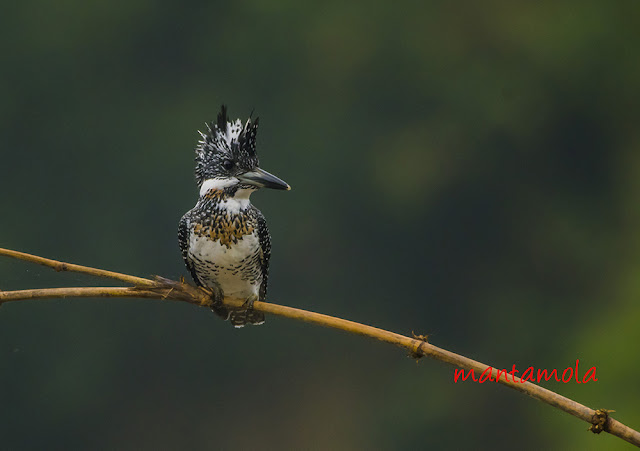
{"x": 227, "y": 252}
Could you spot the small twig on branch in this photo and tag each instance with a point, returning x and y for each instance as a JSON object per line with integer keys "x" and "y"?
{"x": 418, "y": 346}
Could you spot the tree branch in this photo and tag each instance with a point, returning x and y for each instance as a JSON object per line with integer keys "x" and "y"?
{"x": 418, "y": 346}
{"x": 61, "y": 266}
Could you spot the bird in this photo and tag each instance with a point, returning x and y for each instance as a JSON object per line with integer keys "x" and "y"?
{"x": 224, "y": 239}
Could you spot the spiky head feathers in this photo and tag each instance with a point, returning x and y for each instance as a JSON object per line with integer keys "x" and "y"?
{"x": 226, "y": 148}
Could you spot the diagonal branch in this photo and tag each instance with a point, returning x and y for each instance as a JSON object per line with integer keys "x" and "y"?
{"x": 61, "y": 266}
{"x": 418, "y": 346}
{"x": 76, "y": 292}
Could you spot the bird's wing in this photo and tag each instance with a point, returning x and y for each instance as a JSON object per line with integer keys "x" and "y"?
{"x": 183, "y": 241}
{"x": 265, "y": 247}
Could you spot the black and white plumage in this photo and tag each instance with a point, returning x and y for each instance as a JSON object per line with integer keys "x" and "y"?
{"x": 224, "y": 240}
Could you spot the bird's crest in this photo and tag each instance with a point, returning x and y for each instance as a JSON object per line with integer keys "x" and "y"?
{"x": 225, "y": 139}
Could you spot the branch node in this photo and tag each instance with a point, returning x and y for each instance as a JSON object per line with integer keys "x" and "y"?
{"x": 416, "y": 351}
{"x": 424, "y": 338}
{"x": 599, "y": 421}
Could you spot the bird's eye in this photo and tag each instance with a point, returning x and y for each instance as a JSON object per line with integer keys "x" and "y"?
{"x": 228, "y": 164}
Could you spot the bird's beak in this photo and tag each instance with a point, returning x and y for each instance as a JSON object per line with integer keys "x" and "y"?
{"x": 262, "y": 179}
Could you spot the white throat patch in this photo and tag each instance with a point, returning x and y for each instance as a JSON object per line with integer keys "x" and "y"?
{"x": 233, "y": 205}
{"x": 217, "y": 184}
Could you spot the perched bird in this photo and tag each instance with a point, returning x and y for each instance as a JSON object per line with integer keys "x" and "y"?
{"x": 224, "y": 240}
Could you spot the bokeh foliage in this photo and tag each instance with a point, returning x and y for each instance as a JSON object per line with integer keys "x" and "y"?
{"x": 469, "y": 170}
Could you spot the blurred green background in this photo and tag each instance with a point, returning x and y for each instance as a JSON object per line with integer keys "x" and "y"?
{"x": 467, "y": 170}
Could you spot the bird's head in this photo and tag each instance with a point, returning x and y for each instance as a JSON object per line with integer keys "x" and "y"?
{"x": 226, "y": 158}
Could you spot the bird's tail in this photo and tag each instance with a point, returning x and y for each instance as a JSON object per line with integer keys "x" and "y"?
{"x": 240, "y": 318}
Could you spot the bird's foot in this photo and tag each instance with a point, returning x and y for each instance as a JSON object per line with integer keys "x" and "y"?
{"x": 248, "y": 304}
{"x": 216, "y": 303}
{"x": 215, "y": 293}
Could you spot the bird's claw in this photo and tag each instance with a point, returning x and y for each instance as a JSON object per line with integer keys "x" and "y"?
{"x": 248, "y": 304}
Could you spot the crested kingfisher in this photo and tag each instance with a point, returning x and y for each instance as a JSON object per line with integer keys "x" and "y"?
{"x": 224, "y": 240}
